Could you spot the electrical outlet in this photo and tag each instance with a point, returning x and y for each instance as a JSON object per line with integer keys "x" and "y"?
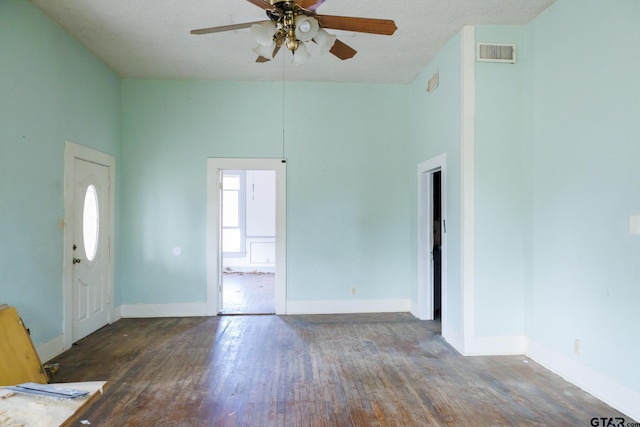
{"x": 576, "y": 346}
{"x": 353, "y": 291}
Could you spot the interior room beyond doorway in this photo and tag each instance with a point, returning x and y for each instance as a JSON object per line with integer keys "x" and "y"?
{"x": 248, "y": 241}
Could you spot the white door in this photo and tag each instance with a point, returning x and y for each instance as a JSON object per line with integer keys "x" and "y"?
{"x": 91, "y": 294}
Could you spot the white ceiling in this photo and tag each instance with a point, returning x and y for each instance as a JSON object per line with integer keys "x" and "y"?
{"x": 150, "y": 39}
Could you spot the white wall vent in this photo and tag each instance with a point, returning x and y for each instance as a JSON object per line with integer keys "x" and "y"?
{"x": 495, "y": 52}
{"x": 434, "y": 81}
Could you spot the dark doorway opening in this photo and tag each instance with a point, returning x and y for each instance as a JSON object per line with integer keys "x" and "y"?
{"x": 437, "y": 245}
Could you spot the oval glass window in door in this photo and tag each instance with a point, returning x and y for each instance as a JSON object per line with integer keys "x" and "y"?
{"x": 90, "y": 222}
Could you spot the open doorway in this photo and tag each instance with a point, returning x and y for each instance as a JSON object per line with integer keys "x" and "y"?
{"x": 238, "y": 191}
{"x": 432, "y": 232}
{"x": 248, "y": 240}
{"x": 436, "y": 252}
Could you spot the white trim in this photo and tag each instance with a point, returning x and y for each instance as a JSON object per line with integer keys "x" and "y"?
{"x": 214, "y": 166}
{"x": 453, "y": 337}
{"x": 495, "y": 346}
{"x": 468, "y": 183}
{"x": 74, "y": 151}
{"x": 619, "y": 396}
{"x": 163, "y": 310}
{"x": 50, "y": 349}
{"x": 349, "y": 306}
{"x": 424, "y": 303}
{"x": 241, "y": 214}
{"x": 413, "y": 309}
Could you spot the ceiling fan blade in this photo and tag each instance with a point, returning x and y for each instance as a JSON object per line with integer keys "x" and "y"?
{"x": 310, "y": 4}
{"x": 224, "y": 28}
{"x": 384, "y": 27}
{"x": 342, "y": 50}
{"x": 262, "y": 4}
{"x": 276, "y": 50}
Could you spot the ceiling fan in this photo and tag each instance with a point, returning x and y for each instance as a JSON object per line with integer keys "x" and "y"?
{"x": 293, "y": 23}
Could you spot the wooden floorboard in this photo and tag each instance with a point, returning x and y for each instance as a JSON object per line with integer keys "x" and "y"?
{"x": 248, "y": 293}
{"x": 338, "y": 370}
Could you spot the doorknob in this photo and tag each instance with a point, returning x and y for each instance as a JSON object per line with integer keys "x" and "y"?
{"x": 76, "y": 260}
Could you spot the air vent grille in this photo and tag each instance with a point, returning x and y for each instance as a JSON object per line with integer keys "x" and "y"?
{"x": 493, "y": 52}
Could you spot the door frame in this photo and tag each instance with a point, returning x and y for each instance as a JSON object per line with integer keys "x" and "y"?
{"x": 72, "y": 152}
{"x": 425, "y": 297}
{"x": 214, "y": 249}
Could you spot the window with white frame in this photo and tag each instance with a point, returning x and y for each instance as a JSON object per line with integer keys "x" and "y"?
{"x": 233, "y": 213}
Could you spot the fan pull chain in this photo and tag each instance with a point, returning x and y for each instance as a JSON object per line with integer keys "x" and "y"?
{"x": 284, "y": 160}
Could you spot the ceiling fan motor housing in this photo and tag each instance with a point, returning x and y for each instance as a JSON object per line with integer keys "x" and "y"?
{"x": 283, "y": 5}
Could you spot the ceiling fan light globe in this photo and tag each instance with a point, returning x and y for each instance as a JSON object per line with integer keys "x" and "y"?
{"x": 301, "y": 54}
{"x": 306, "y": 27}
{"x": 263, "y": 32}
{"x": 265, "y": 51}
{"x": 325, "y": 41}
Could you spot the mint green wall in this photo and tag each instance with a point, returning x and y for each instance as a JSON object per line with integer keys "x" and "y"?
{"x": 348, "y": 202}
{"x": 347, "y": 198}
{"x": 53, "y": 90}
{"x": 435, "y": 129}
{"x": 169, "y": 129}
{"x": 585, "y": 143}
{"x": 556, "y": 179}
{"x": 501, "y": 183}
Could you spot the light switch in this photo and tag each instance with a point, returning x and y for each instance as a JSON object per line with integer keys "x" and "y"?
{"x": 634, "y": 224}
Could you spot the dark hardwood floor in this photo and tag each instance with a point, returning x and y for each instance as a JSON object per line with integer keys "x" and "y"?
{"x": 337, "y": 370}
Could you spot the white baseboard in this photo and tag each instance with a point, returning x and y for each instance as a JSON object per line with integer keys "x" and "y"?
{"x": 484, "y": 346}
{"x": 613, "y": 393}
{"x": 494, "y": 346}
{"x": 617, "y": 395}
{"x": 413, "y": 309}
{"x": 162, "y": 310}
{"x": 453, "y": 337}
{"x": 293, "y": 307}
{"x": 348, "y": 306}
{"x": 50, "y": 349}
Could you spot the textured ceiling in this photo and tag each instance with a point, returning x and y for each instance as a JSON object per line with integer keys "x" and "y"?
{"x": 150, "y": 39}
